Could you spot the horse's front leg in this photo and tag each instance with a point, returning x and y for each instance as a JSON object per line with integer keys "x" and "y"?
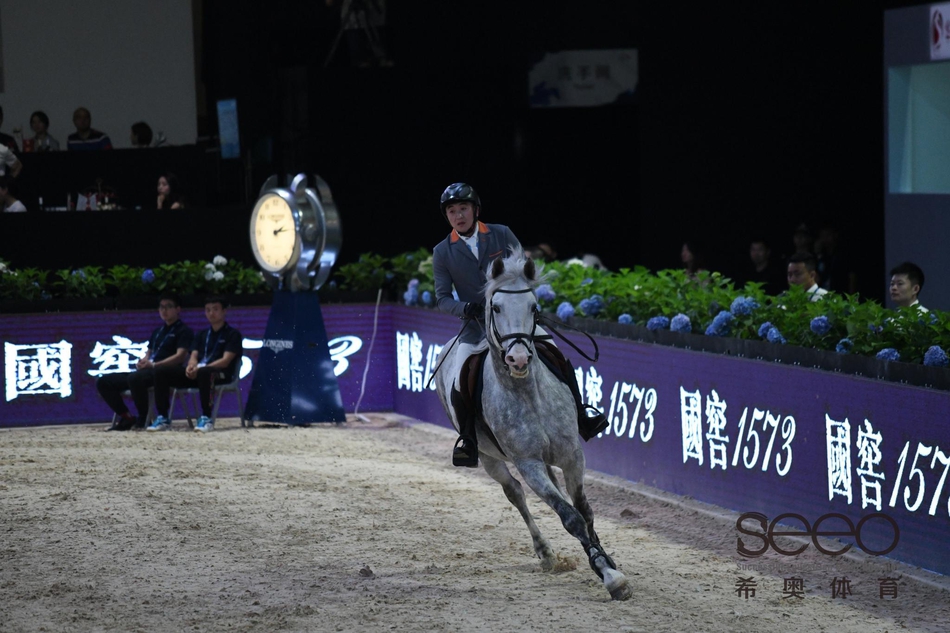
{"x": 515, "y": 493}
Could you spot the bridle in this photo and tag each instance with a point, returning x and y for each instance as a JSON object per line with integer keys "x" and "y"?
{"x": 524, "y": 338}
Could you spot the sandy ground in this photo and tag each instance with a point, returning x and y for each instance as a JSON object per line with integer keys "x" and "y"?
{"x": 366, "y": 526}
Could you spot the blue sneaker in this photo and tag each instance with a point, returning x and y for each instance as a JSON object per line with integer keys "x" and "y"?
{"x": 161, "y": 423}
{"x": 204, "y": 425}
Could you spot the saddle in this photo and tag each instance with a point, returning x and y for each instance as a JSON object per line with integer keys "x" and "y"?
{"x": 471, "y": 383}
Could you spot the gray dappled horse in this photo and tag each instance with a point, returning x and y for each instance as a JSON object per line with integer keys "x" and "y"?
{"x": 528, "y": 417}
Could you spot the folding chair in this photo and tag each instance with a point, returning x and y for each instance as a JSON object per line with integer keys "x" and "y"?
{"x": 219, "y": 390}
{"x": 151, "y": 406}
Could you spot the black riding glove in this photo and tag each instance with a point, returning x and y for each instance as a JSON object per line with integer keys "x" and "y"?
{"x": 474, "y": 310}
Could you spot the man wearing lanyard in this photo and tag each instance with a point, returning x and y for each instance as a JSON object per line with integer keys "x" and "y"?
{"x": 215, "y": 357}
{"x": 167, "y": 347}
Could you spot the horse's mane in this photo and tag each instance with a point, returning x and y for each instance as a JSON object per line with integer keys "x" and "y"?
{"x": 513, "y": 268}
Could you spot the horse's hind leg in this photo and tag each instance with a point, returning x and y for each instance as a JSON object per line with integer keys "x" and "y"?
{"x": 515, "y": 493}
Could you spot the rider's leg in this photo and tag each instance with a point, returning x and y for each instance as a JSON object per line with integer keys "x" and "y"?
{"x": 465, "y": 452}
{"x": 590, "y": 421}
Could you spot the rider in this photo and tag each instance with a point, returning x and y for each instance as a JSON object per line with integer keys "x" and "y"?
{"x": 462, "y": 260}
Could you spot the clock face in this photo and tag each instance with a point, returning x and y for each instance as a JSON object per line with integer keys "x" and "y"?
{"x": 273, "y": 233}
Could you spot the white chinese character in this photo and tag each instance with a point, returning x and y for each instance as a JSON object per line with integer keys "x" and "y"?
{"x": 838, "y": 445}
{"x": 35, "y": 369}
{"x": 691, "y": 416}
{"x": 716, "y": 422}
{"x": 415, "y": 362}
{"x": 432, "y": 356}
{"x": 116, "y": 359}
{"x": 593, "y": 388}
{"x": 402, "y": 361}
{"x": 869, "y": 456}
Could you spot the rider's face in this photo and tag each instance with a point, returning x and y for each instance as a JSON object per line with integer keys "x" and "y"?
{"x": 461, "y": 216}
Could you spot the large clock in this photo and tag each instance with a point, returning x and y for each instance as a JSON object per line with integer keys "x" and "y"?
{"x": 295, "y": 233}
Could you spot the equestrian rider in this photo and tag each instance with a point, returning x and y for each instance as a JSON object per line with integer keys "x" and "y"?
{"x": 462, "y": 260}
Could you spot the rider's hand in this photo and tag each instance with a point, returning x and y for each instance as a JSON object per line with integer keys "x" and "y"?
{"x": 474, "y": 310}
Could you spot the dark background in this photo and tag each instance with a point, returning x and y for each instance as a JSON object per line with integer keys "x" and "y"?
{"x": 749, "y": 119}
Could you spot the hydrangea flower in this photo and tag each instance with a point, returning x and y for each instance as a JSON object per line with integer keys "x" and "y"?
{"x": 219, "y": 261}
{"x": 936, "y": 357}
{"x": 876, "y": 329}
{"x": 587, "y": 281}
{"x": 209, "y": 273}
{"x": 218, "y": 275}
{"x": 411, "y": 295}
{"x": 592, "y": 306}
{"x": 764, "y": 329}
{"x": 889, "y": 353}
{"x": 79, "y": 273}
{"x": 844, "y": 346}
{"x": 658, "y": 323}
{"x": 681, "y": 323}
{"x": 565, "y": 311}
{"x": 427, "y": 298}
{"x": 545, "y": 292}
{"x": 413, "y": 283}
{"x": 742, "y": 306}
{"x": 774, "y": 336}
{"x": 625, "y": 318}
{"x": 820, "y": 325}
{"x": 148, "y": 276}
{"x": 210, "y": 267}
{"x": 721, "y": 324}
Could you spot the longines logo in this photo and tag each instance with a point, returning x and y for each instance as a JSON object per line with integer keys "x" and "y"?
{"x": 278, "y": 345}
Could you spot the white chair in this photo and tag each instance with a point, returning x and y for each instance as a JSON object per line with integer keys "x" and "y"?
{"x": 219, "y": 390}
{"x": 151, "y": 406}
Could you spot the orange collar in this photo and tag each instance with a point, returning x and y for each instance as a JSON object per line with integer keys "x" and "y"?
{"x": 455, "y": 237}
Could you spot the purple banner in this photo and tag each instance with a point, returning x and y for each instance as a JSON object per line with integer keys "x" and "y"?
{"x": 51, "y": 361}
{"x": 748, "y": 435}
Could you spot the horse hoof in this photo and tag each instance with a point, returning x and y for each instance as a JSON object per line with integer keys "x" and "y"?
{"x": 616, "y": 583}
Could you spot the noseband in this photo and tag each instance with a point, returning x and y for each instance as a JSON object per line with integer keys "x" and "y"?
{"x": 525, "y": 338}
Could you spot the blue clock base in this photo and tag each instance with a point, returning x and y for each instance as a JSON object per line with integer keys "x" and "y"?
{"x": 294, "y": 381}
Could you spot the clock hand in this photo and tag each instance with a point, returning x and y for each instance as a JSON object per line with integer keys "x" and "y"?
{"x": 281, "y": 229}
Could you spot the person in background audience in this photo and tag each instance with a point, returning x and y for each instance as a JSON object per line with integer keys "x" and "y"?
{"x": 763, "y": 269}
{"x": 803, "y": 271}
{"x": 834, "y": 269}
{"x": 42, "y": 141}
{"x": 693, "y": 256}
{"x": 907, "y": 280}
{"x": 10, "y": 165}
{"x": 802, "y": 240}
{"x": 6, "y": 139}
{"x": 169, "y": 192}
{"x": 141, "y": 135}
{"x": 85, "y": 137}
{"x": 8, "y": 203}
{"x": 168, "y": 346}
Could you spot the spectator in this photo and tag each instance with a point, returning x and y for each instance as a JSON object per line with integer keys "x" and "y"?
{"x": 907, "y": 280}
{"x": 141, "y": 134}
{"x": 168, "y": 346}
{"x": 9, "y": 160}
{"x": 763, "y": 269}
{"x": 802, "y": 239}
{"x": 42, "y": 141}
{"x": 85, "y": 137}
{"x": 215, "y": 356}
{"x": 6, "y": 139}
{"x": 8, "y": 202}
{"x": 834, "y": 272}
{"x": 169, "y": 192}
{"x": 542, "y": 252}
{"x": 803, "y": 271}
{"x": 693, "y": 256}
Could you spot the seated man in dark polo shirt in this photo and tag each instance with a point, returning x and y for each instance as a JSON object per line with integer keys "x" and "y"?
{"x": 168, "y": 346}
{"x": 215, "y": 356}
{"x": 85, "y": 137}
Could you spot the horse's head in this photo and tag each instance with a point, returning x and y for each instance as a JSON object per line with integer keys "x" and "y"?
{"x": 513, "y": 310}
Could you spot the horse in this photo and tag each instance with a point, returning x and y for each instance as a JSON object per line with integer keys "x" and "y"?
{"x": 528, "y": 417}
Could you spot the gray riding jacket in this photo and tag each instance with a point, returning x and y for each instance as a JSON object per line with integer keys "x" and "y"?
{"x": 454, "y": 264}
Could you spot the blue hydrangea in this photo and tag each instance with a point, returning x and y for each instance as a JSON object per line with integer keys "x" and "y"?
{"x": 764, "y": 329}
{"x": 721, "y": 324}
{"x": 565, "y": 311}
{"x": 820, "y": 325}
{"x": 545, "y": 293}
{"x": 592, "y": 306}
{"x": 876, "y": 329}
{"x": 933, "y": 318}
{"x": 936, "y": 357}
{"x": 411, "y": 296}
{"x": 844, "y": 346}
{"x": 625, "y": 318}
{"x": 774, "y": 336}
{"x": 889, "y": 353}
{"x": 148, "y": 276}
{"x": 681, "y": 323}
{"x": 587, "y": 282}
{"x": 742, "y": 306}
{"x": 333, "y": 285}
{"x": 390, "y": 276}
{"x": 79, "y": 273}
{"x": 658, "y": 323}
{"x": 427, "y": 298}
{"x": 413, "y": 283}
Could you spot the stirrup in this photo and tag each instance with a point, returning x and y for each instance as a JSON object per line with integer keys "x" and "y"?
{"x": 591, "y": 426}
{"x": 465, "y": 453}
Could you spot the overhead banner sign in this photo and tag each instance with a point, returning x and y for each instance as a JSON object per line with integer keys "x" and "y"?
{"x": 940, "y": 31}
{"x": 583, "y": 78}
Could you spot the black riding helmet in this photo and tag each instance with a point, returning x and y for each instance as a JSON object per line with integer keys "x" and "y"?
{"x": 459, "y": 192}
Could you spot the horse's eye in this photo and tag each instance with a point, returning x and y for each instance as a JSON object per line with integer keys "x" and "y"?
{"x": 495, "y": 309}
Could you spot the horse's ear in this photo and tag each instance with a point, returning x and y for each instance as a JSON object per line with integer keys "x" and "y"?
{"x": 497, "y": 267}
{"x": 529, "y": 269}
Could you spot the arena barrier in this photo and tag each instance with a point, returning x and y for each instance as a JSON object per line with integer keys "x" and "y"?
{"x": 746, "y": 435}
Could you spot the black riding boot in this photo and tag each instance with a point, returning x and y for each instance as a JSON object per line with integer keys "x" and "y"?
{"x": 590, "y": 421}
{"x": 465, "y": 453}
